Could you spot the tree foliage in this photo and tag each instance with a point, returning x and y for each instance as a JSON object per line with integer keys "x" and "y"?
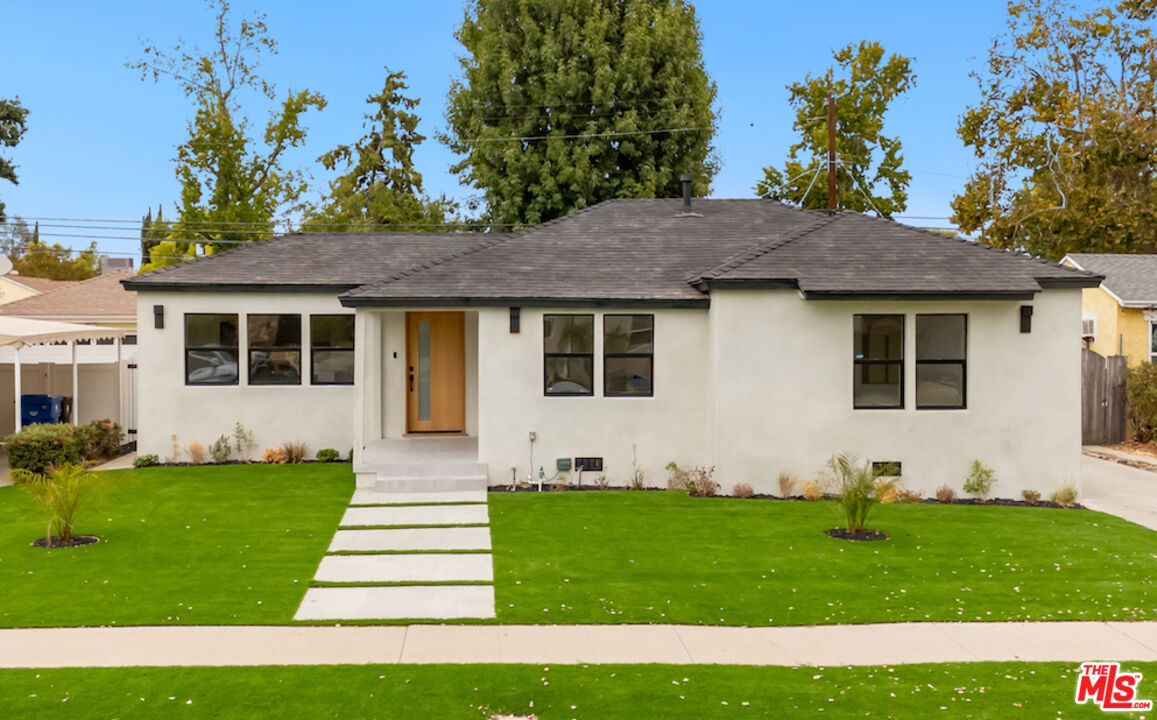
{"x": 12, "y": 128}
{"x": 869, "y": 176}
{"x": 1064, "y": 134}
{"x": 381, "y": 186}
{"x": 563, "y": 105}
{"x": 16, "y": 236}
{"x": 56, "y": 262}
{"x": 232, "y": 185}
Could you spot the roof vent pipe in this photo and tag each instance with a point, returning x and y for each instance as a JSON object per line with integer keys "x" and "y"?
{"x": 686, "y": 179}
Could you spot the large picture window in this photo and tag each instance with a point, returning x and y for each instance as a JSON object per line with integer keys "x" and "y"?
{"x": 628, "y": 355}
{"x": 274, "y": 349}
{"x": 941, "y": 353}
{"x": 331, "y": 345}
{"x": 569, "y": 354}
{"x": 879, "y": 362}
{"x": 210, "y": 349}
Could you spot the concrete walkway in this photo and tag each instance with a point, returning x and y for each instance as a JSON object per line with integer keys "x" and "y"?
{"x": 889, "y": 644}
{"x": 400, "y": 556}
{"x": 1120, "y": 490}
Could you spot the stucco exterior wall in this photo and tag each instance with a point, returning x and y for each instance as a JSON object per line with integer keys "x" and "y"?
{"x": 784, "y": 393}
{"x": 671, "y": 425}
{"x": 1134, "y": 329}
{"x": 11, "y": 291}
{"x": 320, "y": 415}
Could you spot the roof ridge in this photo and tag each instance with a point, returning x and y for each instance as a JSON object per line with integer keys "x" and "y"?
{"x": 763, "y": 248}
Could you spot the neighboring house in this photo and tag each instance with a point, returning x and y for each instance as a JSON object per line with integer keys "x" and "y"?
{"x": 740, "y": 334}
{"x": 106, "y": 370}
{"x": 1119, "y": 317}
{"x": 15, "y": 286}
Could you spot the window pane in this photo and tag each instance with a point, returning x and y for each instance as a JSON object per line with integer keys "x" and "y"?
{"x": 275, "y": 367}
{"x": 569, "y": 376}
{"x": 274, "y": 330}
{"x": 628, "y": 376}
{"x": 940, "y": 337}
{"x": 423, "y": 371}
{"x": 877, "y": 385}
{"x": 335, "y": 331}
{"x": 939, "y": 385}
{"x": 627, "y": 334}
{"x": 211, "y": 367}
{"x": 879, "y": 337}
{"x": 210, "y": 331}
{"x": 333, "y": 367}
{"x": 569, "y": 333}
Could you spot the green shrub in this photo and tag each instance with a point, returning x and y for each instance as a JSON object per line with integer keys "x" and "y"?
{"x": 64, "y": 491}
{"x": 103, "y": 439}
{"x": 144, "y": 461}
{"x": 220, "y": 448}
{"x": 1141, "y": 401}
{"x": 37, "y": 447}
{"x": 980, "y": 481}
{"x": 327, "y": 455}
{"x": 1032, "y": 497}
{"x": 857, "y": 490}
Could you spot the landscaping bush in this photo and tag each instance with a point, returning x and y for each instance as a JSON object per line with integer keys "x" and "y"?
{"x": 1141, "y": 402}
{"x": 743, "y": 490}
{"x": 219, "y": 449}
{"x": 857, "y": 489}
{"x": 787, "y": 483}
{"x": 103, "y": 439}
{"x": 1066, "y": 496}
{"x": 294, "y": 451}
{"x": 64, "y": 491}
{"x": 945, "y": 494}
{"x": 1032, "y": 497}
{"x": 274, "y": 456}
{"x": 980, "y": 481}
{"x": 196, "y": 453}
{"x": 327, "y": 455}
{"x": 697, "y": 480}
{"x": 144, "y": 461}
{"x": 813, "y": 490}
{"x": 37, "y": 447}
{"x": 244, "y": 441}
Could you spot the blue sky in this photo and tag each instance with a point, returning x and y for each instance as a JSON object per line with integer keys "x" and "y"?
{"x": 100, "y": 142}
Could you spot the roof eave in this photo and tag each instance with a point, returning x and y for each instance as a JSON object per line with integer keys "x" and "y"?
{"x": 548, "y": 302}
{"x": 921, "y": 295}
{"x": 1081, "y": 281}
{"x": 145, "y": 286}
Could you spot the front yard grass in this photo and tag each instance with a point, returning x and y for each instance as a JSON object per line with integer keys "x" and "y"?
{"x": 605, "y": 692}
{"x": 179, "y": 546}
{"x": 662, "y": 557}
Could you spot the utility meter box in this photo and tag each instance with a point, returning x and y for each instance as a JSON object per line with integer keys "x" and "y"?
{"x": 563, "y": 464}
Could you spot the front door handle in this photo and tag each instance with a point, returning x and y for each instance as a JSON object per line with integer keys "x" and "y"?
{"x": 411, "y": 379}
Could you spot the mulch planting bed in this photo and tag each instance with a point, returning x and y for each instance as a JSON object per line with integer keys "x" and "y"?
{"x": 862, "y": 536}
{"x": 77, "y": 541}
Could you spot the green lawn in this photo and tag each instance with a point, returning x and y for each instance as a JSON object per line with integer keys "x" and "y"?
{"x": 179, "y": 546}
{"x": 655, "y": 557}
{"x": 602, "y": 692}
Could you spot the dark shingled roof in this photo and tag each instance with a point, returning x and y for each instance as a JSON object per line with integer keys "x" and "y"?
{"x": 307, "y": 261}
{"x": 1132, "y": 278}
{"x": 623, "y": 252}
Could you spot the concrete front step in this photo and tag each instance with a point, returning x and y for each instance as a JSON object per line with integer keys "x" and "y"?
{"x": 443, "y": 602}
{"x": 429, "y": 484}
{"x": 449, "y": 468}
{"x": 396, "y": 568}
{"x": 370, "y": 496}
{"x": 408, "y": 539}
{"x": 416, "y": 515}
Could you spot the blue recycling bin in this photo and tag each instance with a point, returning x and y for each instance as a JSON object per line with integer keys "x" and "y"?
{"x": 40, "y": 409}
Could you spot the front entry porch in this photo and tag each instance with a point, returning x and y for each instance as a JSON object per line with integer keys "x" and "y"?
{"x": 421, "y": 464}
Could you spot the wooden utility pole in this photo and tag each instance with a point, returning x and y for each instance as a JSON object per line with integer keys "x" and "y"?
{"x": 831, "y": 153}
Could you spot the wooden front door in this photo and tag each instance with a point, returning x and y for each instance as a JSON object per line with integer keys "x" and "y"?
{"x": 435, "y": 372}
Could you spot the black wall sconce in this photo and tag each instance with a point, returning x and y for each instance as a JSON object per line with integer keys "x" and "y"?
{"x": 515, "y": 319}
{"x": 159, "y": 317}
{"x": 1026, "y": 318}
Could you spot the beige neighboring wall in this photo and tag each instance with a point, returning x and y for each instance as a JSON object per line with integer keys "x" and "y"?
{"x": 18, "y": 287}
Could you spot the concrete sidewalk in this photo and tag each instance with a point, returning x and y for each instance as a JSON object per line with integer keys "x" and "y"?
{"x": 885, "y": 644}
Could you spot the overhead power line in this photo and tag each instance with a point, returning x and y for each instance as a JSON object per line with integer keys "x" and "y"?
{"x": 582, "y": 135}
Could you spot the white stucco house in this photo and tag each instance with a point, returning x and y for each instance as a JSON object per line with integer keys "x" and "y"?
{"x": 740, "y": 334}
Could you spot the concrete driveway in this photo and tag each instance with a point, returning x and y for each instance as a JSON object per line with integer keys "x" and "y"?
{"x": 1119, "y": 490}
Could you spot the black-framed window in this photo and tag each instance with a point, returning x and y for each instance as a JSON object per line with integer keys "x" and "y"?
{"x": 941, "y": 362}
{"x": 568, "y": 354}
{"x": 879, "y": 362}
{"x": 628, "y": 355}
{"x": 331, "y": 349}
{"x": 211, "y": 352}
{"x": 274, "y": 349}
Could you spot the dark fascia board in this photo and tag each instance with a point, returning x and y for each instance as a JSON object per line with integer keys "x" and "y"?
{"x": 924, "y": 296}
{"x": 1067, "y": 282}
{"x": 355, "y": 302}
{"x": 238, "y": 287}
{"x": 748, "y": 284}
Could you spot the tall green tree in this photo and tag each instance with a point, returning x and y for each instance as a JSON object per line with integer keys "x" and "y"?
{"x": 869, "y": 172}
{"x": 1064, "y": 134}
{"x": 233, "y": 185}
{"x": 12, "y": 128}
{"x": 380, "y": 185}
{"x": 563, "y": 105}
{"x": 56, "y": 262}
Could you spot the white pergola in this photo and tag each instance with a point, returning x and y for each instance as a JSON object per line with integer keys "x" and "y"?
{"x": 17, "y": 332}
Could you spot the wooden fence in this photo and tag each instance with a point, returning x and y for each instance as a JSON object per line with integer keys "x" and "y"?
{"x": 1102, "y": 398}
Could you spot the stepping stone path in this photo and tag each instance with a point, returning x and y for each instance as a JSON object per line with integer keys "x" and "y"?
{"x": 401, "y": 556}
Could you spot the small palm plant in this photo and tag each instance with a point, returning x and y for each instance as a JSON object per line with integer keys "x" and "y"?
{"x": 857, "y": 490}
{"x": 64, "y": 492}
